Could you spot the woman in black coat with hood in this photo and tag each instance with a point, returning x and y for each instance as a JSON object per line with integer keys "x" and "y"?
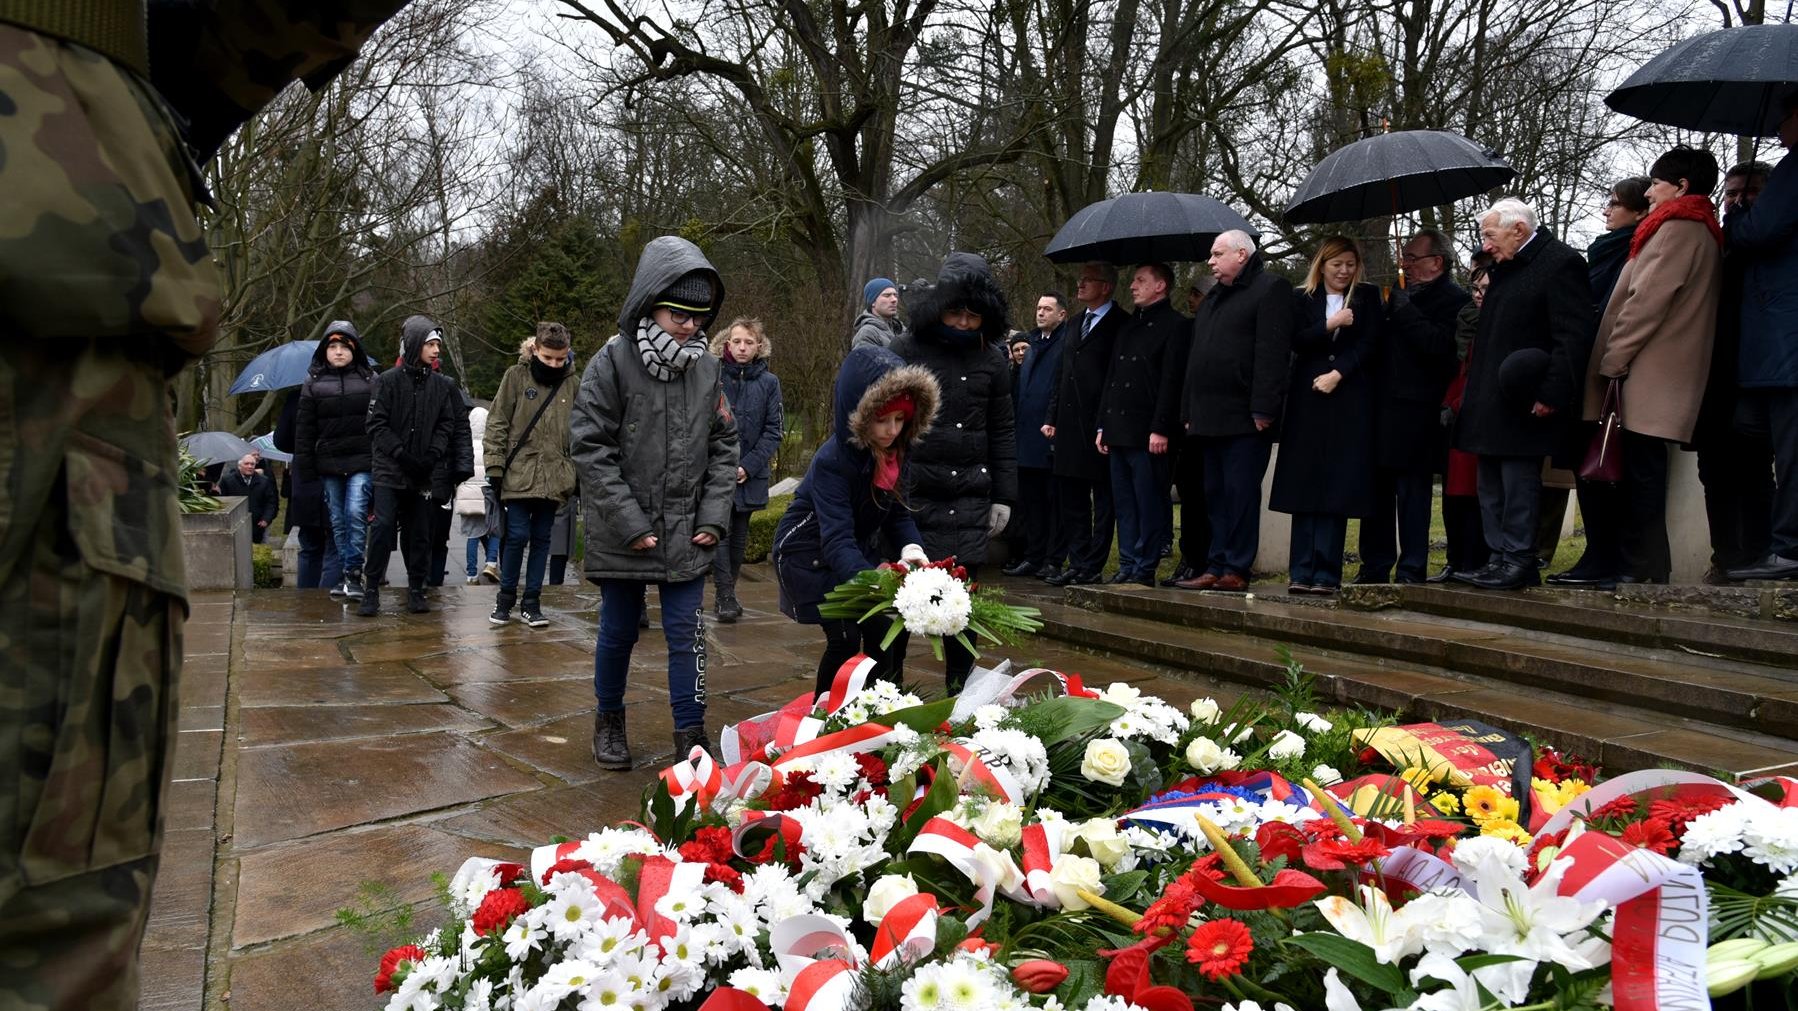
{"x": 965, "y": 476}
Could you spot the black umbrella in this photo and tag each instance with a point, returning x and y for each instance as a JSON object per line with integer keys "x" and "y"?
{"x": 1391, "y": 173}
{"x": 1143, "y": 227}
{"x": 1729, "y": 81}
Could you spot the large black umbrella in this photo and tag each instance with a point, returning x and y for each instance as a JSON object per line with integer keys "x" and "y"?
{"x": 1143, "y": 227}
{"x": 1728, "y": 81}
{"x": 1391, "y": 173}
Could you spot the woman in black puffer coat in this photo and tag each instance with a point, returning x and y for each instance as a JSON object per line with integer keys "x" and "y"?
{"x": 331, "y": 443}
{"x": 965, "y": 476}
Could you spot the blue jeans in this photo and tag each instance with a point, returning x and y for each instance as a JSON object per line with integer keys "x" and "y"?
{"x": 488, "y": 545}
{"x": 1139, "y": 489}
{"x": 528, "y": 523}
{"x": 346, "y": 496}
{"x": 319, "y": 563}
{"x": 683, "y": 622}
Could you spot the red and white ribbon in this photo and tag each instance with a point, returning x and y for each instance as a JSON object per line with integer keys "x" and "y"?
{"x": 907, "y": 932}
{"x": 1675, "y": 783}
{"x": 867, "y": 737}
{"x": 697, "y": 777}
{"x": 819, "y": 960}
{"x": 1042, "y": 845}
{"x": 1662, "y": 926}
{"x": 850, "y": 679}
{"x": 1416, "y": 869}
{"x": 750, "y": 836}
{"x": 793, "y": 723}
{"x": 999, "y": 686}
{"x": 990, "y": 871}
{"x": 974, "y": 770}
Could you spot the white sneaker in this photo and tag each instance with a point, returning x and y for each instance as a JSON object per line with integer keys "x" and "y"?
{"x": 472, "y": 580}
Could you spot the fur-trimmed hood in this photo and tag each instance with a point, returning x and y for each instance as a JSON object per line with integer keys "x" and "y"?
{"x": 868, "y": 380}
{"x": 965, "y": 280}
{"x": 762, "y": 354}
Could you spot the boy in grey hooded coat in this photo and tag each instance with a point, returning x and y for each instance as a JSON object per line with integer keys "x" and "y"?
{"x": 655, "y": 446}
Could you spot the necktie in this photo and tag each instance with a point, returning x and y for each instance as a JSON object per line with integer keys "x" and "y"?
{"x": 1086, "y": 327}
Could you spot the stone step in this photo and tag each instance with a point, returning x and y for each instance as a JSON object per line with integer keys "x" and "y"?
{"x": 1739, "y": 694}
{"x": 1591, "y": 614}
{"x": 1764, "y": 600}
{"x": 1621, "y": 737}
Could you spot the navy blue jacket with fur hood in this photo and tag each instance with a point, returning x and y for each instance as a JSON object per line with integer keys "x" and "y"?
{"x": 832, "y": 529}
{"x": 971, "y": 462}
{"x": 754, "y": 395}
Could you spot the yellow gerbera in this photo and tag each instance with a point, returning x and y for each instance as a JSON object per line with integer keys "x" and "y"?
{"x": 1482, "y": 803}
{"x": 1421, "y": 779}
{"x": 1505, "y": 828}
{"x": 1447, "y": 803}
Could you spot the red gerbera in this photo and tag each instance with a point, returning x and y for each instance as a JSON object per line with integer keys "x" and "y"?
{"x": 1679, "y": 812}
{"x": 1650, "y": 834}
{"x": 391, "y": 962}
{"x": 873, "y": 769}
{"x": 1172, "y": 910}
{"x": 1219, "y": 948}
{"x": 797, "y": 790}
{"x": 498, "y": 910}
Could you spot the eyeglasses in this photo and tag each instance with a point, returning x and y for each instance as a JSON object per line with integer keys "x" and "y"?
{"x": 1408, "y": 258}
{"x": 680, "y": 317}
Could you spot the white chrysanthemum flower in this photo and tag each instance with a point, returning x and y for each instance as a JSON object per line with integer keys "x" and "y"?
{"x": 1714, "y": 834}
{"x": 989, "y": 716}
{"x": 932, "y": 602}
{"x": 1021, "y": 754}
{"x": 1770, "y": 838}
{"x": 762, "y": 984}
{"x": 1312, "y": 722}
{"x": 471, "y": 884}
{"x": 837, "y": 771}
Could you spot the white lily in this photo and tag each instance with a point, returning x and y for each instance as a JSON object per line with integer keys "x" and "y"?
{"x": 1463, "y": 994}
{"x": 1373, "y": 923}
{"x": 1530, "y": 922}
{"x": 1338, "y": 997}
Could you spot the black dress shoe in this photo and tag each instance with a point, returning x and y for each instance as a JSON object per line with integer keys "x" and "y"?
{"x": 1182, "y": 572}
{"x": 1580, "y": 577}
{"x": 1046, "y": 573}
{"x": 1118, "y": 578}
{"x": 1371, "y": 579}
{"x": 1442, "y": 577}
{"x": 1086, "y": 578}
{"x": 1062, "y": 578}
{"x": 1019, "y": 568}
{"x": 1770, "y": 567}
{"x": 1507, "y": 576}
{"x": 1147, "y": 579}
{"x": 1470, "y": 575}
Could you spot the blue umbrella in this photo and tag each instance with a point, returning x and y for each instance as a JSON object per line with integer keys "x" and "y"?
{"x": 278, "y": 368}
{"x": 215, "y": 447}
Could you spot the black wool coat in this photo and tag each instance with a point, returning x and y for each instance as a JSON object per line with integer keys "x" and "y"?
{"x": 1139, "y": 401}
{"x": 970, "y": 459}
{"x": 1326, "y": 440}
{"x": 1415, "y": 364}
{"x": 1035, "y": 390}
{"x": 1079, "y": 386}
{"x": 1242, "y": 342}
{"x": 1541, "y": 299}
{"x": 265, "y": 499}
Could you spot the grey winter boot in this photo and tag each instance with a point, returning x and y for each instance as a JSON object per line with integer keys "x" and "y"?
{"x": 610, "y": 749}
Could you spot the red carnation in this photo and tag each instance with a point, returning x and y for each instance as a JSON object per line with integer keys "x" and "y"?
{"x": 796, "y": 791}
{"x": 709, "y": 845}
{"x": 566, "y": 865}
{"x": 1619, "y": 807}
{"x": 725, "y": 874}
{"x": 1219, "y": 948}
{"x": 873, "y": 769}
{"x": 391, "y": 963}
{"x": 1334, "y": 854}
{"x": 1171, "y": 910}
{"x": 498, "y": 910}
{"x": 511, "y": 874}
{"x": 1651, "y": 834}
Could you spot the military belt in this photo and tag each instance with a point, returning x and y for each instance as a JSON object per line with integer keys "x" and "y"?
{"x": 116, "y": 29}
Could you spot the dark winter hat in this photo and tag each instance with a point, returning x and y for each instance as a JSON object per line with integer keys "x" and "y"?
{"x": 1520, "y": 375}
{"x": 873, "y": 289}
{"x": 692, "y": 293}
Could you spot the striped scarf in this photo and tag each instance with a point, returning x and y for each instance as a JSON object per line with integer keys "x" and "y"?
{"x": 664, "y": 357}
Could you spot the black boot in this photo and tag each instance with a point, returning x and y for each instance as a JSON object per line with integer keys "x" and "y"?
{"x": 415, "y": 600}
{"x": 610, "y": 748}
{"x": 371, "y": 601}
{"x": 728, "y": 608}
{"x": 687, "y": 738}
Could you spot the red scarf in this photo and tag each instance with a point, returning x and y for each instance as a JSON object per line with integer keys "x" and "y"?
{"x": 1691, "y": 207}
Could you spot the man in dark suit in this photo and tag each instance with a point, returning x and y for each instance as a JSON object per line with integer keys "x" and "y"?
{"x": 1138, "y": 416}
{"x": 1085, "y": 508}
{"x": 1045, "y": 542}
{"x": 1529, "y": 363}
{"x": 1413, "y": 369}
{"x": 1233, "y": 392}
{"x": 253, "y": 484}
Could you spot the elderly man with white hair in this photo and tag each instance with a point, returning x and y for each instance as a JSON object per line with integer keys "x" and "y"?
{"x": 1234, "y": 389}
{"x": 1528, "y": 367}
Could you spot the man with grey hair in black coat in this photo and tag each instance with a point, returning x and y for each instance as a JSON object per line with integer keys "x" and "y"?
{"x": 1528, "y": 365}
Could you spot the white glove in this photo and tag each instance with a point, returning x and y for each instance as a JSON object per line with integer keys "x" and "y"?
{"x": 996, "y": 518}
{"x": 913, "y": 554}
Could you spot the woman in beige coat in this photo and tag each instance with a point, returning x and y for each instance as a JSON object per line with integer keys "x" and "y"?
{"x": 1656, "y": 338}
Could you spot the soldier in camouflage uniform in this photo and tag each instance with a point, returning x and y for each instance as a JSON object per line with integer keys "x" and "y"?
{"x": 106, "y": 290}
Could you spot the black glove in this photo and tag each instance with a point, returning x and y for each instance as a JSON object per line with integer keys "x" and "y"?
{"x": 416, "y": 468}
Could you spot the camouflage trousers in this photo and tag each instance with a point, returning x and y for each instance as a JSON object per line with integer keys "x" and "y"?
{"x": 90, "y": 637}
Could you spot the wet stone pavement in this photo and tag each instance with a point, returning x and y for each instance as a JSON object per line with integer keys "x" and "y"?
{"x": 327, "y": 761}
